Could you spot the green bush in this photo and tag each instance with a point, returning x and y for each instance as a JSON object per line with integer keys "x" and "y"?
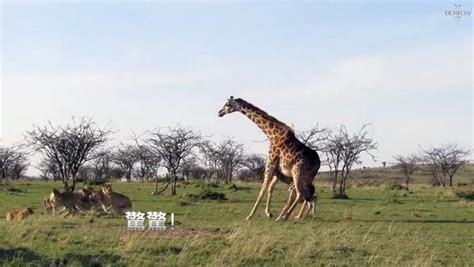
{"x": 465, "y": 192}
{"x": 396, "y": 186}
{"x": 207, "y": 194}
{"x": 234, "y": 187}
{"x": 93, "y": 182}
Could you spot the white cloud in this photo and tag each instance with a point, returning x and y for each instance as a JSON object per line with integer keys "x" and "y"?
{"x": 429, "y": 69}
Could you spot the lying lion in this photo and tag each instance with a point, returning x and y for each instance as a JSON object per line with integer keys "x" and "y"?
{"x": 19, "y": 215}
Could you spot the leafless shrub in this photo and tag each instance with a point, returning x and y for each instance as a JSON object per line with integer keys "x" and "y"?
{"x": 100, "y": 165}
{"x": 313, "y": 137}
{"x": 147, "y": 160}
{"x": 49, "y": 170}
{"x": 173, "y": 146}
{"x": 69, "y": 146}
{"x": 342, "y": 151}
{"x": 13, "y": 162}
{"x": 254, "y": 167}
{"x": 232, "y": 157}
{"x": 407, "y": 166}
{"x": 210, "y": 159}
{"x": 125, "y": 157}
{"x": 444, "y": 161}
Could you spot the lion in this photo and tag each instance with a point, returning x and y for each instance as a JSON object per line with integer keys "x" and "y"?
{"x": 110, "y": 201}
{"x": 19, "y": 215}
{"x": 70, "y": 201}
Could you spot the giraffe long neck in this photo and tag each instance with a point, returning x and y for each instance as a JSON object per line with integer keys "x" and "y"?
{"x": 268, "y": 124}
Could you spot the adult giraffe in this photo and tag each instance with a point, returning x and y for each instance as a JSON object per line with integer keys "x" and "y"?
{"x": 288, "y": 159}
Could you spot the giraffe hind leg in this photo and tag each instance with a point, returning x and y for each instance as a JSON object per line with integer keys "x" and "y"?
{"x": 291, "y": 198}
{"x": 302, "y": 210}
{"x": 293, "y": 205}
{"x": 313, "y": 207}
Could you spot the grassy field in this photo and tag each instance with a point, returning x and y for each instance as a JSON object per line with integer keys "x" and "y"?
{"x": 377, "y": 226}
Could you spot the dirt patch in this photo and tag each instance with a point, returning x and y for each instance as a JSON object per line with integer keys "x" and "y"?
{"x": 178, "y": 231}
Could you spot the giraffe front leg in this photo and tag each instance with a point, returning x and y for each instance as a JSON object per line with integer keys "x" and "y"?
{"x": 255, "y": 206}
{"x": 269, "y": 171}
{"x": 269, "y": 196}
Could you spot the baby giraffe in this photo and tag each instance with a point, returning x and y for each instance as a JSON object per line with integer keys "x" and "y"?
{"x": 288, "y": 158}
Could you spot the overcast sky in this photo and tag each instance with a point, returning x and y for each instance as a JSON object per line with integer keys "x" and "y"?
{"x": 405, "y": 68}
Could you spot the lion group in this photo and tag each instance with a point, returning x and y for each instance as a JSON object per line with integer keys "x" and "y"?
{"x": 103, "y": 200}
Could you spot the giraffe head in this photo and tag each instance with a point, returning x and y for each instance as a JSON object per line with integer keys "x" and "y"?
{"x": 230, "y": 106}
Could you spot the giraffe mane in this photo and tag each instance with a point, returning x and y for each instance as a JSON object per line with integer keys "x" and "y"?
{"x": 245, "y": 103}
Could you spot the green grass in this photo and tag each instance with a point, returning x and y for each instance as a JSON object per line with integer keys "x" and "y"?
{"x": 376, "y": 226}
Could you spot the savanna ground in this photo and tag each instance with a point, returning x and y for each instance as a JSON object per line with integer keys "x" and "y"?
{"x": 377, "y": 226}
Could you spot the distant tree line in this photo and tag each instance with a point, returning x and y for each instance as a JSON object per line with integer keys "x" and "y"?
{"x": 80, "y": 150}
{"x": 13, "y": 162}
{"x": 442, "y": 162}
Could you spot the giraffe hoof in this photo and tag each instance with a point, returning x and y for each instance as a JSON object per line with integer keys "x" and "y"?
{"x": 269, "y": 214}
{"x": 248, "y": 218}
{"x": 279, "y": 219}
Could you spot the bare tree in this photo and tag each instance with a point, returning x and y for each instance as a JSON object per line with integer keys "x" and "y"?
{"x": 173, "y": 146}
{"x": 197, "y": 172}
{"x": 48, "y": 170}
{"x": 126, "y": 157}
{"x": 187, "y": 167}
{"x": 222, "y": 160}
{"x": 69, "y": 146}
{"x": 231, "y": 155}
{"x": 255, "y": 164}
{"x": 407, "y": 166}
{"x": 313, "y": 137}
{"x": 210, "y": 159}
{"x": 13, "y": 162}
{"x": 18, "y": 166}
{"x": 444, "y": 161}
{"x": 85, "y": 173}
{"x": 342, "y": 151}
{"x": 101, "y": 165}
{"x": 115, "y": 172}
{"x": 148, "y": 161}
{"x": 6, "y": 155}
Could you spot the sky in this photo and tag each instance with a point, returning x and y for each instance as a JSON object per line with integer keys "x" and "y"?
{"x": 403, "y": 67}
